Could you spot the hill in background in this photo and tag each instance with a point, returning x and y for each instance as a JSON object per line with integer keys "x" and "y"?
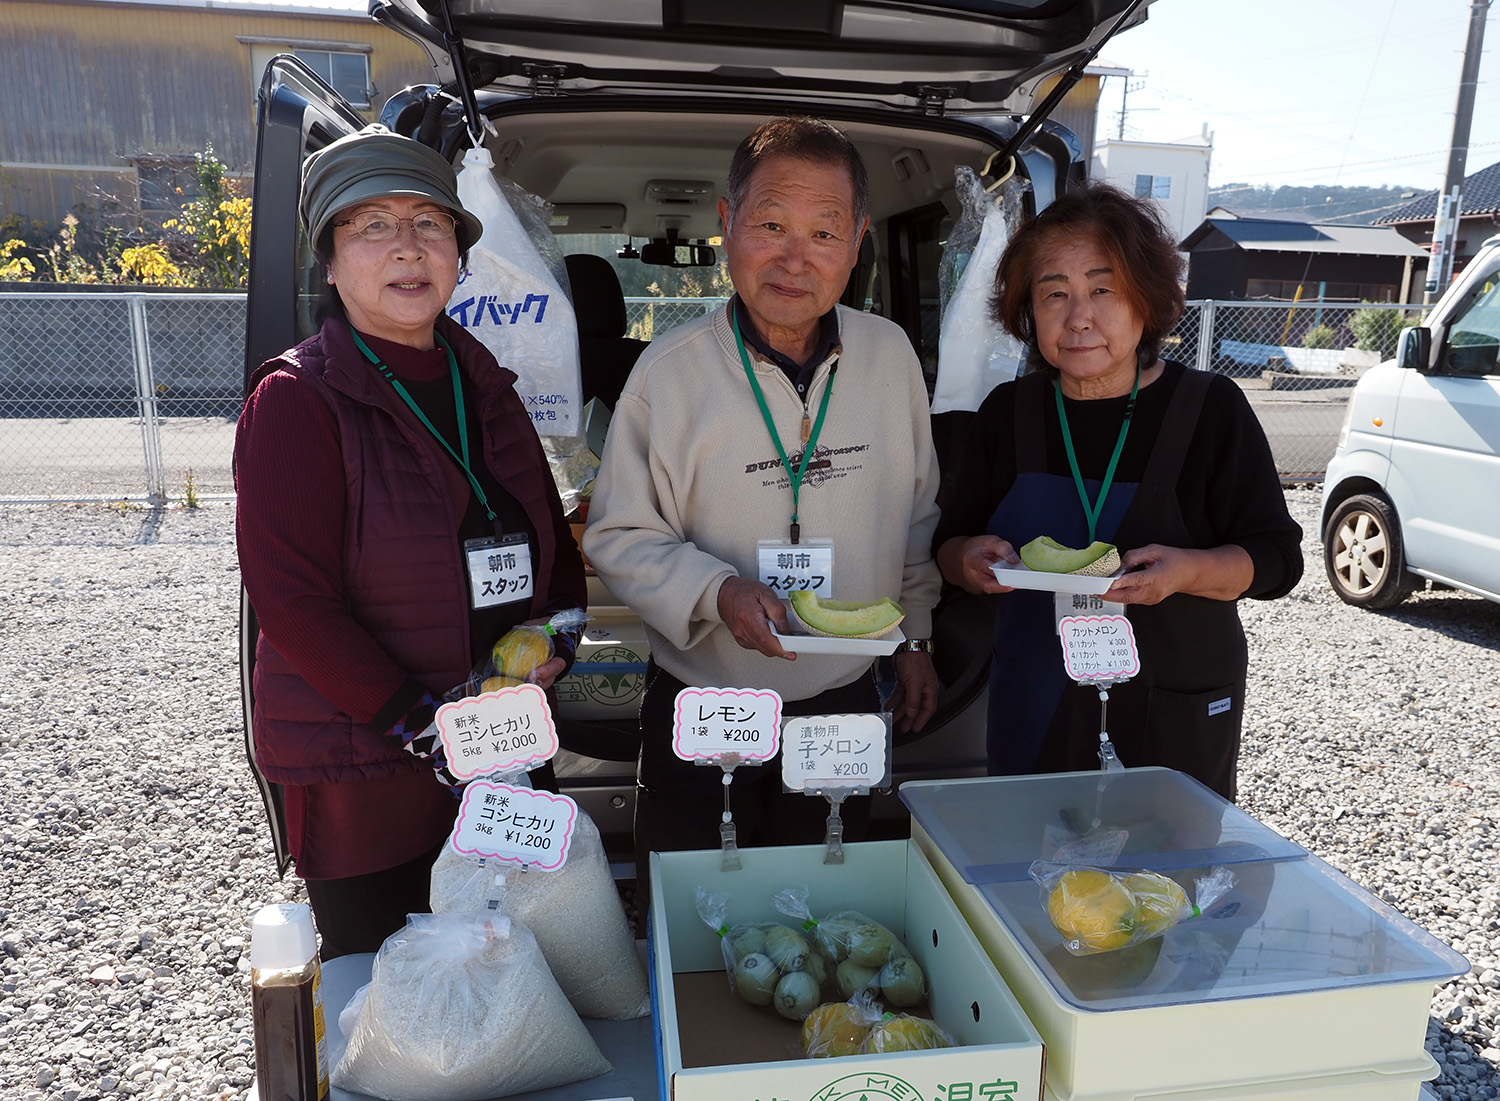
{"x": 1349, "y": 205}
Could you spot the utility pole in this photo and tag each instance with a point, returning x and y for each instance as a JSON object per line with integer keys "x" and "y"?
{"x": 1445, "y": 229}
{"x": 1125, "y": 89}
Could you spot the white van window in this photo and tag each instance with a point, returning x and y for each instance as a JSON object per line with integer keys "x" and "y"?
{"x": 1474, "y": 336}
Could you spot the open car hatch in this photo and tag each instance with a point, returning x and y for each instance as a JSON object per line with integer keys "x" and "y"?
{"x": 954, "y": 56}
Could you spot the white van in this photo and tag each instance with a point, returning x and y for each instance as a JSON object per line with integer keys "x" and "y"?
{"x": 1413, "y": 490}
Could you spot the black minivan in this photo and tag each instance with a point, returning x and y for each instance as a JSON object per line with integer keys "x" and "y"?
{"x": 623, "y": 116}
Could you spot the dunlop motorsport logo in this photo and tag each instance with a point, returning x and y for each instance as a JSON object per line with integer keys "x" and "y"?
{"x": 822, "y": 467}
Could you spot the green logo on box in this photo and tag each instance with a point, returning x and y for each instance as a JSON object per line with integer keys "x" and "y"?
{"x": 868, "y": 1087}
{"x": 613, "y": 689}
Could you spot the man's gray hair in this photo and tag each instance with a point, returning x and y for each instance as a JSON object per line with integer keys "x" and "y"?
{"x": 808, "y": 139}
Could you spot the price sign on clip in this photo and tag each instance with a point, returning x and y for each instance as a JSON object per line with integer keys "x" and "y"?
{"x": 1099, "y": 647}
{"x": 835, "y": 751}
{"x": 515, "y": 825}
{"x": 497, "y": 732}
{"x": 710, "y": 723}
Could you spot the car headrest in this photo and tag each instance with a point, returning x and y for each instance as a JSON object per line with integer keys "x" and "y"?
{"x": 597, "y": 298}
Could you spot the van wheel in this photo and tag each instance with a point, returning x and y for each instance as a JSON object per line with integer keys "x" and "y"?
{"x": 1363, "y": 556}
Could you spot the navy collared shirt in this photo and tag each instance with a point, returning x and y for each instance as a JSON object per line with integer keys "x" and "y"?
{"x": 799, "y": 374}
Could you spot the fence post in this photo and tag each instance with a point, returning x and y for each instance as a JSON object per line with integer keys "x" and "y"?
{"x": 1206, "y": 335}
{"x": 145, "y": 398}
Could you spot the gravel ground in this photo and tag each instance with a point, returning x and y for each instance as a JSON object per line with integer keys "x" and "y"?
{"x": 133, "y": 853}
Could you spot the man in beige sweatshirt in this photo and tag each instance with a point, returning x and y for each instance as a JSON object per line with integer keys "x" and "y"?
{"x": 699, "y": 476}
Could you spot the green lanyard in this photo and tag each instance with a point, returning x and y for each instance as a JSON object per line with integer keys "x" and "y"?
{"x": 765, "y": 412}
{"x": 1092, "y": 511}
{"x": 458, "y": 405}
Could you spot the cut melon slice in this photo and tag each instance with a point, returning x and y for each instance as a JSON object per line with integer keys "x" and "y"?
{"x": 1047, "y": 555}
{"x": 844, "y": 618}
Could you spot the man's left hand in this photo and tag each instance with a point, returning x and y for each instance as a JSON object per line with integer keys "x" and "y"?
{"x": 915, "y": 696}
{"x": 749, "y": 609}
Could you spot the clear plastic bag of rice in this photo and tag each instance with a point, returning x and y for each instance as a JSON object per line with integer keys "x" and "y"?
{"x": 460, "y": 1007}
{"x": 574, "y": 912}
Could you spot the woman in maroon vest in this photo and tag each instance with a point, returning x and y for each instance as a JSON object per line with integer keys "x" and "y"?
{"x": 373, "y": 462}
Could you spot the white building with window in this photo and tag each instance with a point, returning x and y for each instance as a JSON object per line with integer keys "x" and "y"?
{"x": 1173, "y": 173}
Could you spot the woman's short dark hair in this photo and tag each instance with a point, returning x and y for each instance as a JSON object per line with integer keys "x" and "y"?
{"x": 1128, "y": 230}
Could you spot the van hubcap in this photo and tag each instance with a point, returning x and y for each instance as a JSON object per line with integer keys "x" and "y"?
{"x": 1360, "y": 556}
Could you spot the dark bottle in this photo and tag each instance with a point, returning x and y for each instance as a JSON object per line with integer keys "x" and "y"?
{"x": 286, "y": 1006}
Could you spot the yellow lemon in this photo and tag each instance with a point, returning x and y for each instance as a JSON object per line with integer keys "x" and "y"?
{"x": 520, "y": 650}
{"x": 490, "y": 684}
{"x": 833, "y": 1029}
{"x": 1089, "y": 907}
{"x": 904, "y": 1033}
{"x": 1160, "y": 902}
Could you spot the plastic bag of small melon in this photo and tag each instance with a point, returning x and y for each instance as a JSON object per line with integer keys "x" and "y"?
{"x": 460, "y": 1007}
{"x": 862, "y": 954}
{"x": 574, "y": 912}
{"x": 768, "y": 964}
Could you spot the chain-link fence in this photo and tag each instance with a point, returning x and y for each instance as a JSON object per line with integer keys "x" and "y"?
{"x": 646, "y": 317}
{"x": 1297, "y": 363}
{"x": 114, "y": 395}
{"x": 127, "y": 396}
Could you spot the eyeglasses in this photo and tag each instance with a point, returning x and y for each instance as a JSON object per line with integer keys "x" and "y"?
{"x": 382, "y": 225}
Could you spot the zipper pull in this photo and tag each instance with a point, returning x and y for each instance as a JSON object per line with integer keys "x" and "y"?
{"x": 806, "y": 425}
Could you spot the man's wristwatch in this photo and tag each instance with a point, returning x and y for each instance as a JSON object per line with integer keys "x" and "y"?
{"x": 915, "y": 645}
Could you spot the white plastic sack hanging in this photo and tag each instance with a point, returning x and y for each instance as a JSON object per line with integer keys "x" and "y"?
{"x": 975, "y": 354}
{"x": 514, "y": 304}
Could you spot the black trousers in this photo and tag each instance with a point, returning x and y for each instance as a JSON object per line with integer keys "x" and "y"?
{"x": 357, "y": 913}
{"x": 679, "y": 804}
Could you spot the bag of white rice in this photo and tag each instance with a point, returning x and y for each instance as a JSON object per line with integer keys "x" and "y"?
{"x": 574, "y": 913}
{"x": 460, "y": 1007}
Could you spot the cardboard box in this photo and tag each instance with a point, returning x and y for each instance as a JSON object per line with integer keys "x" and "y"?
{"x": 607, "y": 679}
{"x": 714, "y": 1047}
{"x": 1298, "y": 984}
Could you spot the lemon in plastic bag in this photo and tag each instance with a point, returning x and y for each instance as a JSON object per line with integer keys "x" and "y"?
{"x": 1160, "y": 902}
{"x": 1092, "y": 908}
{"x": 521, "y": 651}
{"x": 903, "y": 1032}
{"x": 834, "y": 1029}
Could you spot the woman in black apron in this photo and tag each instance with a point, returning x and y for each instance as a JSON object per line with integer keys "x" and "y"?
{"x": 1107, "y": 441}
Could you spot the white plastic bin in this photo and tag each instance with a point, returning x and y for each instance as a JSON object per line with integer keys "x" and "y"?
{"x": 1297, "y": 984}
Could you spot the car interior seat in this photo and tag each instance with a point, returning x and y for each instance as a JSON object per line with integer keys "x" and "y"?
{"x": 605, "y": 353}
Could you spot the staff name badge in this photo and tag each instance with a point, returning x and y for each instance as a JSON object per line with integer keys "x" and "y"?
{"x": 785, "y": 567}
{"x": 499, "y": 570}
{"x": 515, "y": 825}
{"x": 711, "y": 723}
{"x": 1099, "y": 648}
{"x": 504, "y": 731}
{"x": 835, "y": 751}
